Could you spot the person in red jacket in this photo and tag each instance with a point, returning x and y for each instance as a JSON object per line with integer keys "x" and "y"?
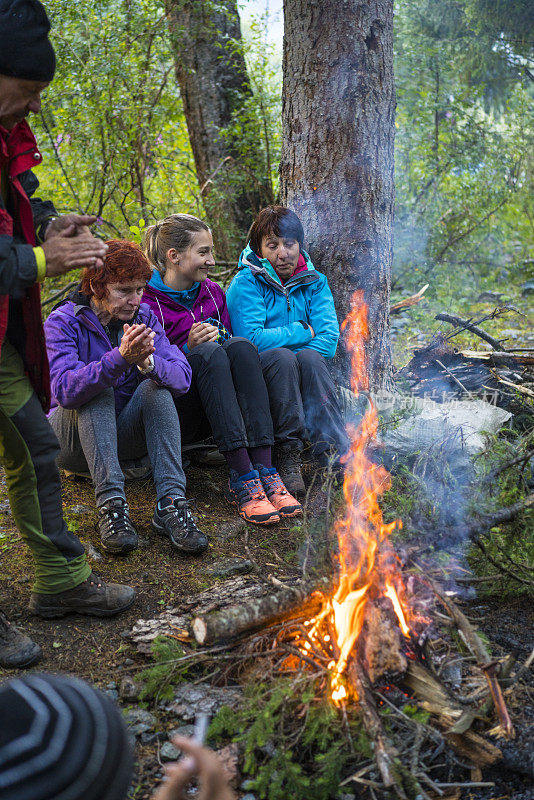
{"x": 64, "y": 582}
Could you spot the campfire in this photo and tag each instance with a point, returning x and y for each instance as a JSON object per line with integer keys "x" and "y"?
{"x": 369, "y": 570}
{"x": 373, "y": 632}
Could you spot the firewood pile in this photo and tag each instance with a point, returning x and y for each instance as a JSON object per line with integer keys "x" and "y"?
{"x": 473, "y": 704}
{"x": 498, "y": 374}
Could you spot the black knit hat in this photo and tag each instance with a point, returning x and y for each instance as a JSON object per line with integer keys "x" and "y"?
{"x": 25, "y": 50}
{"x": 60, "y": 739}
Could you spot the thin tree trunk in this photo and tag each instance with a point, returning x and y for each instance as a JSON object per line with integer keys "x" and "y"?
{"x": 213, "y": 80}
{"x": 336, "y": 170}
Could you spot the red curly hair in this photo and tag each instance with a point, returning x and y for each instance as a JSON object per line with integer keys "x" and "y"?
{"x": 124, "y": 261}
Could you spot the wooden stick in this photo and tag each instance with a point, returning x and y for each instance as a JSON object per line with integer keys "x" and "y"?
{"x": 59, "y": 294}
{"x": 385, "y": 754}
{"x": 458, "y": 322}
{"x": 477, "y": 647}
{"x": 396, "y": 308}
{"x": 455, "y": 379}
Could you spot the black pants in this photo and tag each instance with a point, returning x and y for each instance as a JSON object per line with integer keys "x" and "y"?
{"x": 228, "y": 397}
{"x": 303, "y": 399}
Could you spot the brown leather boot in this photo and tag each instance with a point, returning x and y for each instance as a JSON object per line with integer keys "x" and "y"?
{"x": 92, "y": 597}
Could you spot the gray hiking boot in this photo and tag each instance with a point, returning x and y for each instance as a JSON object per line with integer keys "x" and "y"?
{"x": 16, "y": 649}
{"x": 92, "y": 597}
{"x": 287, "y": 460}
{"x": 117, "y": 534}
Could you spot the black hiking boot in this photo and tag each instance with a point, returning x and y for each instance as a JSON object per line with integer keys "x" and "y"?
{"x": 174, "y": 520}
{"x": 287, "y": 460}
{"x": 92, "y": 597}
{"x": 16, "y": 649}
{"x": 117, "y": 534}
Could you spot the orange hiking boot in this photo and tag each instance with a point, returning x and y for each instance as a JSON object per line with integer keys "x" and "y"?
{"x": 278, "y": 496}
{"x": 246, "y": 492}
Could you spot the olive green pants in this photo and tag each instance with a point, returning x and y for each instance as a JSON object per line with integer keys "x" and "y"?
{"x": 28, "y": 449}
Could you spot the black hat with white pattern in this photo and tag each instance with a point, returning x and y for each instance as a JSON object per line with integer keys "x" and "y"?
{"x": 61, "y": 739}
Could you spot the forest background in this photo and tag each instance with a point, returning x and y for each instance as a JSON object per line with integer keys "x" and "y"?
{"x": 115, "y": 139}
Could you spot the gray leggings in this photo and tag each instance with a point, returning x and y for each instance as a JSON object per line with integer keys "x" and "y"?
{"x": 93, "y": 437}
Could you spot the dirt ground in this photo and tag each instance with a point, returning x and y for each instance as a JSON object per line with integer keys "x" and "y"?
{"x": 95, "y": 649}
{"x": 99, "y": 651}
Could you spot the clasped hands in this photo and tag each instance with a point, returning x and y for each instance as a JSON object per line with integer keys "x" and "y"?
{"x": 137, "y": 344}
{"x": 202, "y": 332}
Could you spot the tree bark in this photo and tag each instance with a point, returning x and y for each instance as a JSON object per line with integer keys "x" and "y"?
{"x": 213, "y": 80}
{"x": 337, "y": 161}
{"x": 257, "y": 612}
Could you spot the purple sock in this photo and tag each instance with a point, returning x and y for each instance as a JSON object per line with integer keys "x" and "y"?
{"x": 261, "y": 455}
{"x": 238, "y": 460}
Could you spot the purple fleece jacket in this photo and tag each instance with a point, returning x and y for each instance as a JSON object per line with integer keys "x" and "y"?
{"x": 83, "y": 361}
{"x": 177, "y": 319}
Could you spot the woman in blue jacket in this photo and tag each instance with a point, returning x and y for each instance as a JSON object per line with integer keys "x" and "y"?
{"x": 285, "y": 307}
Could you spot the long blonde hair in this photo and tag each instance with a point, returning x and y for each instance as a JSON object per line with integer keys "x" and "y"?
{"x": 175, "y": 231}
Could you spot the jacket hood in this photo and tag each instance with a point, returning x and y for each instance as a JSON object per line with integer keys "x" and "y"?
{"x": 262, "y": 268}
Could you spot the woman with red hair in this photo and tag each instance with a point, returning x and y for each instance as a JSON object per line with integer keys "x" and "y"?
{"x": 113, "y": 376}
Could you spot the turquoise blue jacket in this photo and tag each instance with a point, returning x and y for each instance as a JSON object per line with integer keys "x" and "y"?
{"x": 271, "y": 314}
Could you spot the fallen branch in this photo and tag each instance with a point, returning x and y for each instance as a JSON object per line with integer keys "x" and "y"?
{"x": 498, "y": 357}
{"x": 256, "y": 612}
{"x": 486, "y": 664}
{"x": 521, "y": 459}
{"x": 433, "y": 698}
{"x": 498, "y": 517}
{"x": 396, "y": 308}
{"x": 458, "y": 322}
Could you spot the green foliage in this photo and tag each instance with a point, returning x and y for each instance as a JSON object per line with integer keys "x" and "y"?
{"x": 508, "y": 557}
{"x": 294, "y": 745}
{"x": 112, "y": 127}
{"x": 464, "y": 168}
{"x": 413, "y": 711}
{"x": 168, "y": 670}
{"x": 137, "y": 231}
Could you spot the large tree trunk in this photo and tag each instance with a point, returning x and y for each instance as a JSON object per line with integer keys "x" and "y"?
{"x": 336, "y": 170}
{"x": 213, "y": 81}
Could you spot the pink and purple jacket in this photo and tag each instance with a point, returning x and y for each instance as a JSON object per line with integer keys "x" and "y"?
{"x": 177, "y": 319}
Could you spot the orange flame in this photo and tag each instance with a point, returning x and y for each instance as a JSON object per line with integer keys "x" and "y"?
{"x": 367, "y": 565}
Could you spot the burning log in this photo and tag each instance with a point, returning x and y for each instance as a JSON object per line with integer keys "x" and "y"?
{"x": 382, "y": 648}
{"x": 258, "y": 612}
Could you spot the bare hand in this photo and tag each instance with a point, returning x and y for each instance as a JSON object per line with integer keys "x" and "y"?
{"x": 137, "y": 344}
{"x": 201, "y": 762}
{"x": 312, "y": 331}
{"x": 70, "y": 225}
{"x": 64, "y": 252}
{"x": 202, "y": 332}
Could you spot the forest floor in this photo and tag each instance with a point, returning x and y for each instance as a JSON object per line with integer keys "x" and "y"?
{"x": 100, "y": 651}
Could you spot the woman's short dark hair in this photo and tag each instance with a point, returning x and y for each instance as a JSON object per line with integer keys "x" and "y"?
{"x": 275, "y": 221}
